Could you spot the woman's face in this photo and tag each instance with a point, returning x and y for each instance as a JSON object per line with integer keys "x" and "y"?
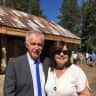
{"x": 61, "y": 57}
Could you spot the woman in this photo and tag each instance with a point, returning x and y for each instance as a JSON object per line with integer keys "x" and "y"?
{"x": 64, "y": 78}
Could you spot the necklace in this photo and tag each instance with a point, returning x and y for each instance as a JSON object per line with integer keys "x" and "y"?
{"x": 55, "y": 82}
{"x": 54, "y": 88}
{"x": 57, "y": 74}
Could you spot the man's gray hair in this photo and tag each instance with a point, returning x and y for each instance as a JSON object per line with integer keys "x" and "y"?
{"x": 28, "y": 33}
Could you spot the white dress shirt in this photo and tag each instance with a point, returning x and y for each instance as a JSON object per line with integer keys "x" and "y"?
{"x": 33, "y": 73}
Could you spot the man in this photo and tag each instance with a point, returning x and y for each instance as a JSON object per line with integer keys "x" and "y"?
{"x": 93, "y": 57}
{"x": 20, "y": 77}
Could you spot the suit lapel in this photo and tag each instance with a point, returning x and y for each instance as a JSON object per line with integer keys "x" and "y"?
{"x": 27, "y": 70}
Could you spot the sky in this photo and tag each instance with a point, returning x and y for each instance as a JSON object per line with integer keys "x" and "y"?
{"x": 51, "y": 9}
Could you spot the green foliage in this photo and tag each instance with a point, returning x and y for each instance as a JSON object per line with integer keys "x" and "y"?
{"x": 70, "y": 16}
{"x": 35, "y": 7}
{"x": 29, "y": 6}
{"x": 82, "y": 18}
{"x": 89, "y": 25}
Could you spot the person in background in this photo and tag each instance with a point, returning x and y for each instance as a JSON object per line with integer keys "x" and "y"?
{"x": 21, "y": 74}
{"x": 93, "y": 56}
{"x": 87, "y": 57}
{"x": 74, "y": 56}
{"x": 64, "y": 78}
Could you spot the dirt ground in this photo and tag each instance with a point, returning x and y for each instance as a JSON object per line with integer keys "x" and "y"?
{"x": 1, "y": 84}
{"x": 91, "y": 75}
{"x": 90, "y": 72}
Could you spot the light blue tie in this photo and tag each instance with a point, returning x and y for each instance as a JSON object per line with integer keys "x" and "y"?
{"x": 38, "y": 78}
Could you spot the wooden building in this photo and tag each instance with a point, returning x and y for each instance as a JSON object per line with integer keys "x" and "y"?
{"x": 13, "y": 26}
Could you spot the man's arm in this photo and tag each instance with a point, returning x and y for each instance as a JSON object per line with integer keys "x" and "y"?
{"x": 10, "y": 80}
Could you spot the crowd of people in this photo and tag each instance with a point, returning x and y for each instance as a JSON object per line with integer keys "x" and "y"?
{"x": 27, "y": 76}
{"x": 88, "y": 57}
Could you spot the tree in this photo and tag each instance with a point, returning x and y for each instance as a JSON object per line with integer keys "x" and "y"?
{"x": 2, "y": 2}
{"x": 89, "y": 25}
{"x": 35, "y": 7}
{"x": 29, "y": 6}
{"x": 70, "y": 16}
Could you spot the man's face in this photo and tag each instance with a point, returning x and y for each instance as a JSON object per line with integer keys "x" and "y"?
{"x": 34, "y": 45}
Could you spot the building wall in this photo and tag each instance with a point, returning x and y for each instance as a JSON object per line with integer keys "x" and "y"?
{"x": 10, "y": 47}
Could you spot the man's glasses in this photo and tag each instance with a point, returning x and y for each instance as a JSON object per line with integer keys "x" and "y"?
{"x": 65, "y": 52}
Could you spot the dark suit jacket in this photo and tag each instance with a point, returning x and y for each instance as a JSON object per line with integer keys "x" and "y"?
{"x": 18, "y": 79}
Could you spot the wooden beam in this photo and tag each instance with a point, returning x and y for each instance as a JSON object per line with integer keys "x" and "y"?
{"x": 66, "y": 39}
{"x": 12, "y": 31}
{"x": 20, "y": 32}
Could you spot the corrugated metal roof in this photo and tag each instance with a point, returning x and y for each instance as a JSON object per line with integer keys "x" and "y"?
{"x": 19, "y": 19}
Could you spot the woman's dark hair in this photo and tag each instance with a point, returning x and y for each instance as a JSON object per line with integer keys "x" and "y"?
{"x": 58, "y": 45}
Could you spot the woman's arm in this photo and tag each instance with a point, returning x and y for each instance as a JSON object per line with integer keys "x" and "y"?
{"x": 85, "y": 92}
